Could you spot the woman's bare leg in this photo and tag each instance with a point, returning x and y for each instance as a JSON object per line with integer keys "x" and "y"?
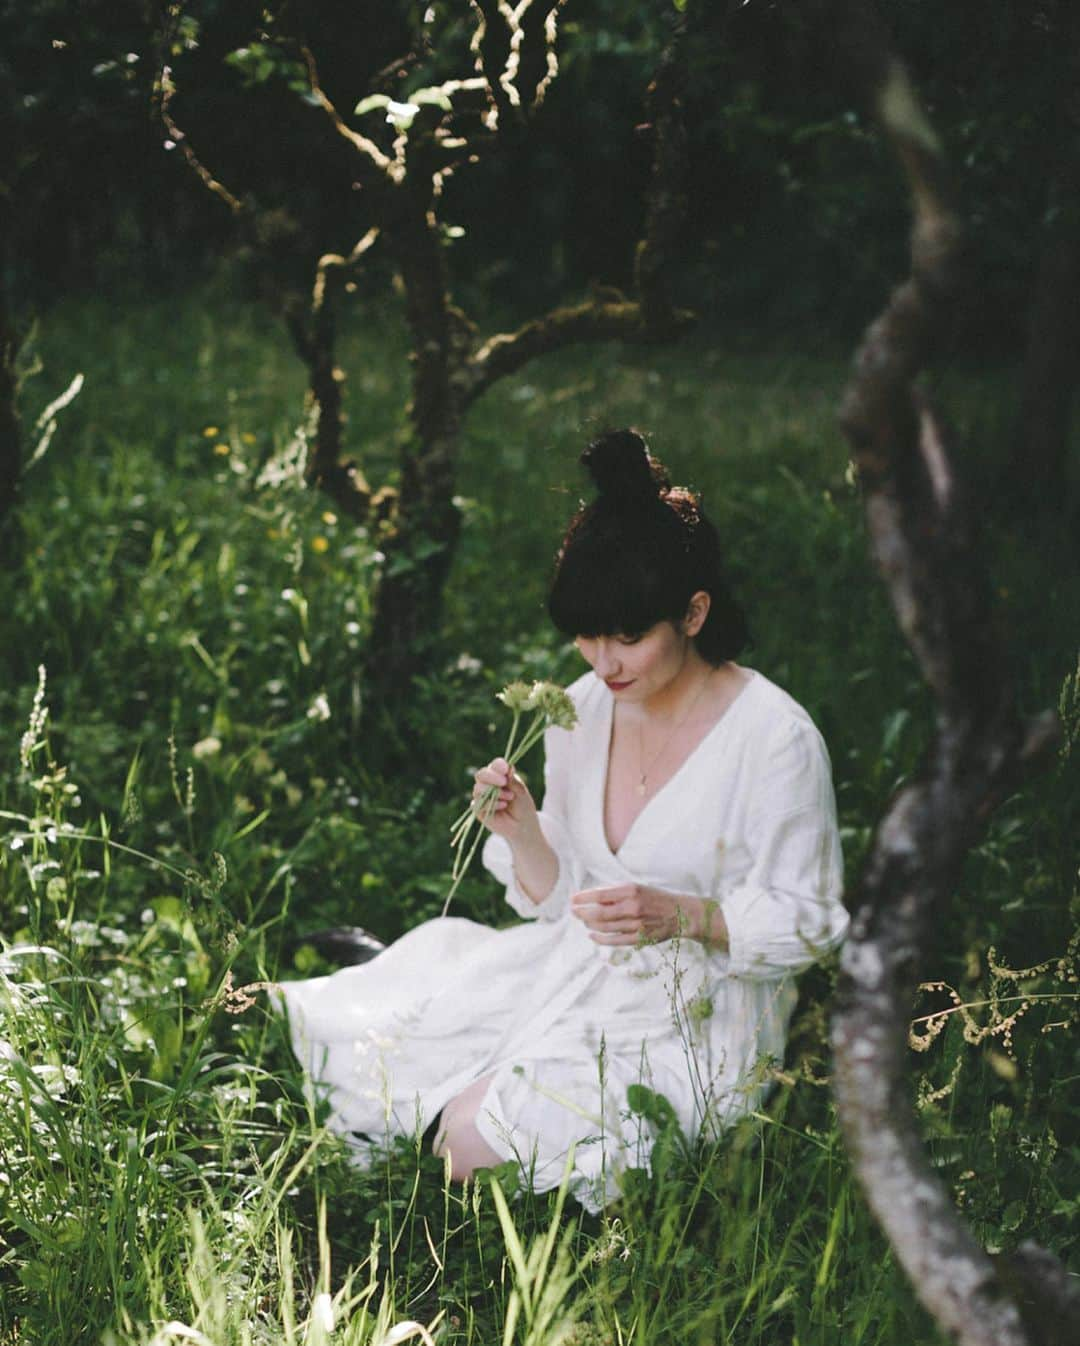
{"x": 458, "y": 1135}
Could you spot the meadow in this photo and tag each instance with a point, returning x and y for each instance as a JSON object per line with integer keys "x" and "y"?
{"x": 185, "y": 791}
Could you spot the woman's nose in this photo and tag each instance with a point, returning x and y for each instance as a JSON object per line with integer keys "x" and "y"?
{"x": 606, "y": 660}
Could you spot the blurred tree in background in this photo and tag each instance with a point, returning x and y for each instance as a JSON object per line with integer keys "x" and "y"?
{"x": 799, "y": 173}
{"x": 783, "y": 172}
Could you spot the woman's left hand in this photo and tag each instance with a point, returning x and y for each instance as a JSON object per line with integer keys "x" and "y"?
{"x": 631, "y": 913}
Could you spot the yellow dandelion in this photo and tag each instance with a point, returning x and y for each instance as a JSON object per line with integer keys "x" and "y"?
{"x": 211, "y": 432}
{"x": 222, "y": 450}
{"x": 329, "y": 517}
{"x": 319, "y": 544}
{"x": 248, "y": 437}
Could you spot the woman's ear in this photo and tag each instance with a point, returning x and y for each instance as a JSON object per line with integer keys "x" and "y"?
{"x": 696, "y": 612}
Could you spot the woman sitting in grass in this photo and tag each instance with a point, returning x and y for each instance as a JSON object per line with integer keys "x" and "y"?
{"x": 684, "y": 865}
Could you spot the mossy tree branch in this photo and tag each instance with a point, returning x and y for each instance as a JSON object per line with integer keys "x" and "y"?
{"x": 924, "y": 541}
{"x": 649, "y": 316}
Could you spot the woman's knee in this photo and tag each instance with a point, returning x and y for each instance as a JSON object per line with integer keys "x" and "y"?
{"x": 458, "y": 1136}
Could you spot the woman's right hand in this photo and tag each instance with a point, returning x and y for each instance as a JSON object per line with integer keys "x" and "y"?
{"x": 512, "y": 813}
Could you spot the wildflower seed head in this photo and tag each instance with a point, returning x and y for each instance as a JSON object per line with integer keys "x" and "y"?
{"x": 35, "y": 727}
{"x": 554, "y": 703}
{"x": 515, "y": 696}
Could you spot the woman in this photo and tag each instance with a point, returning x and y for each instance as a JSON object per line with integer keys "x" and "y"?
{"x": 684, "y": 865}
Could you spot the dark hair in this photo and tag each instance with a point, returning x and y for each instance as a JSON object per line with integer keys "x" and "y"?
{"x": 637, "y": 554}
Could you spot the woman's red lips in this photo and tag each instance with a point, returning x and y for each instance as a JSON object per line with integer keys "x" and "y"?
{"x": 617, "y": 686}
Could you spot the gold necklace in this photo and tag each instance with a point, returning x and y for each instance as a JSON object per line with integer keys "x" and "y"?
{"x": 642, "y": 786}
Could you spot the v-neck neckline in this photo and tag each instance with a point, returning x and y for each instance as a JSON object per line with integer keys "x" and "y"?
{"x": 608, "y": 729}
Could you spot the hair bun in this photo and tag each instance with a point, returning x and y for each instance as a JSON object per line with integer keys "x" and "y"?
{"x": 623, "y": 469}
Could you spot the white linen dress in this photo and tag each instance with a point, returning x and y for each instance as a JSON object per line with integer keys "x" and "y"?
{"x": 564, "y": 1026}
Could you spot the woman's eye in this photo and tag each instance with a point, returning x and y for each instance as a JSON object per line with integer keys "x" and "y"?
{"x": 627, "y": 640}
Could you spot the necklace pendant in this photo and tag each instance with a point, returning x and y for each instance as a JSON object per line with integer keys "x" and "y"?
{"x": 642, "y": 787}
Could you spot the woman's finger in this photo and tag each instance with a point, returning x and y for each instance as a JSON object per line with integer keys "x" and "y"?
{"x": 609, "y": 925}
{"x": 612, "y": 893}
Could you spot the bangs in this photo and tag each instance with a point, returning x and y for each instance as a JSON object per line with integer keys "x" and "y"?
{"x": 610, "y": 591}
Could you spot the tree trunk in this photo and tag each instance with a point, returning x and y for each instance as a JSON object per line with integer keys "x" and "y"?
{"x": 419, "y": 554}
{"x": 420, "y": 546}
{"x": 923, "y": 534}
{"x": 314, "y": 335}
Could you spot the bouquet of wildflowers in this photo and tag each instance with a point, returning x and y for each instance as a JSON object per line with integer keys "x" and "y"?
{"x": 547, "y": 705}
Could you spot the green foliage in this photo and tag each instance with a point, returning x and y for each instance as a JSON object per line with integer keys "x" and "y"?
{"x": 185, "y": 807}
{"x": 789, "y": 189}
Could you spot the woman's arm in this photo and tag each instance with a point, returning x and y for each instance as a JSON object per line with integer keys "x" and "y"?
{"x": 532, "y": 852}
{"x": 786, "y": 913}
{"x": 513, "y": 817}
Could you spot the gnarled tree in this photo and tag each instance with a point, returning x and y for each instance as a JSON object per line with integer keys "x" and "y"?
{"x": 401, "y": 163}
{"x": 924, "y": 543}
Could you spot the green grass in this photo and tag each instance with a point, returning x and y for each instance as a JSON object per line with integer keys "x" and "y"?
{"x": 189, "y": 804}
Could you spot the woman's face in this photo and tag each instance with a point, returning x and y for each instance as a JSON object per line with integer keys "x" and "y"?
{"x": 636, "y": 668}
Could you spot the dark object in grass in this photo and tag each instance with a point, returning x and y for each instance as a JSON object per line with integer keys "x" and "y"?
{"x": 345, "y": 944}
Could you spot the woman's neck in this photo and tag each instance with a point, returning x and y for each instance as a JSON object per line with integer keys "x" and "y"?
{"x": 678, "y": 696}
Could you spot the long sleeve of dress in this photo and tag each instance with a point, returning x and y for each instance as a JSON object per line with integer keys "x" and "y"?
{"x": 498, "y": 858}
{"x": 786, "y": 913}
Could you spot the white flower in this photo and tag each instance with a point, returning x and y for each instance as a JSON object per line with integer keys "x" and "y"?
{"x": 319, "y": 708}
{"x": 555, "y": 704}
{"x": 206, "y": 747}
{"x": 516, "y": 696}
{"x": 401, "y": 114}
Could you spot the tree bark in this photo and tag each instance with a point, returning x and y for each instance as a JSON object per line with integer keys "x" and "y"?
{"x": 420, "y": 546}
{"x": 924, "y": 542}
{"x": 313, "y": 328}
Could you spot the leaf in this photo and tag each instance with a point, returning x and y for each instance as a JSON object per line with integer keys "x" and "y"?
{"x": 654, "y": 1107}
{"x": 371, "y": 103}
{"x": 514, "y": 1249}
{"x": 895, "y": 724}
{"x": 433, "y": 96}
